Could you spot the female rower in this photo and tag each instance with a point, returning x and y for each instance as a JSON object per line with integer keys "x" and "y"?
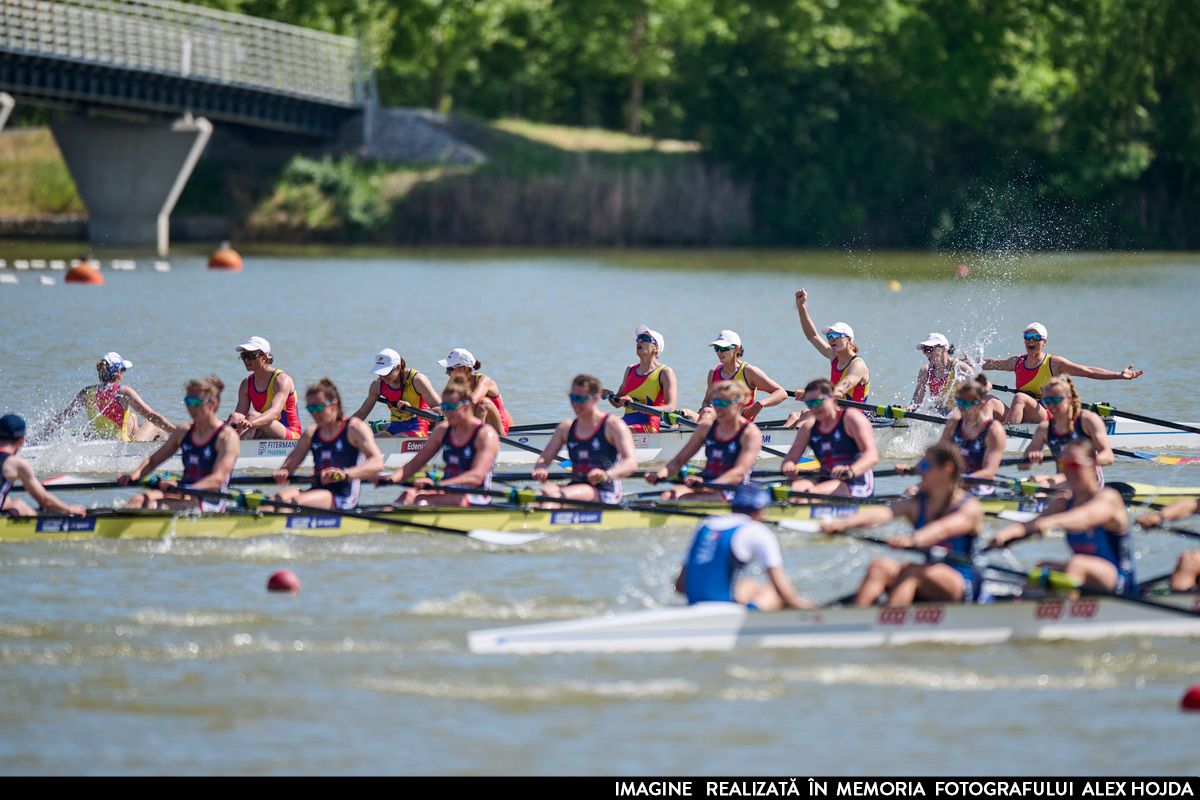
{"x": 978, "y": 435}
{"x": 468, "y": 446}
{"x": 343, "y": 451}
{"x": 398, "y": 388}
{"x": 1186, "y": 577}
{"x": 266, "y": 405}
{"x": 842, "y": 441}
{"x": 1036, "y": 367}
{"x": 1067, "y": 422}
{"x": 731, "y": 367}
{"x": 600, "y": 446}
{"x": 942, "y": 514}
{"x": 847, "y": 371}
{"x": 649, "y": 382}
{"x": 13, "y": 468}
{"x": 462, "y": 365}
{"x": 999, "y": 410}
{"x": 1096, "y": 523}
{"x": 208, "y": 448}
{"x": 940, "y": 378}
{"x": 731, "y": 445}
{"x": 111, "y": 407}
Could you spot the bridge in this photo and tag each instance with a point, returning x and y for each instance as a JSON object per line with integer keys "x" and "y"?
{"x": 144, "y": 80}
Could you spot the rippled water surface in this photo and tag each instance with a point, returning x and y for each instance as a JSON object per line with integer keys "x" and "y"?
{"x": 169, "y": 657}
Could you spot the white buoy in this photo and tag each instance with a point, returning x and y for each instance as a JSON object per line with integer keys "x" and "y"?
{"x": 8, "y": 277}
{"x": 162, "y": 266}
{"x": 58, "y": 263}
{"x": 46, "y": 280}
{"x": 37, "y": 263}
{"x": 75, "y": 262}
{"x": 21, "y": 263}
{"x": 3, "y": 263}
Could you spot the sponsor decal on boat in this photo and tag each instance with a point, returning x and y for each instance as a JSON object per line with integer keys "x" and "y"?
{"x": 832, "y": 511}
{"x": 576, "y": 517}
{"x": 310, "y": 523}
{"x": 276, "y": 447}
{"x": 65, "y": 524}
{"x": 412, "y": 445}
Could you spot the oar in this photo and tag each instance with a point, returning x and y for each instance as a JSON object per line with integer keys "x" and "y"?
{"x": 1106, "y": 410}
{"x": 254, "y": 500}
{"x": 682, "y": 420}
{"x": 508, "y": 440}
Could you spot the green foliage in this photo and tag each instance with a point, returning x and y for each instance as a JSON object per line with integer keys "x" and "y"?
{"x": 325, "y": 197}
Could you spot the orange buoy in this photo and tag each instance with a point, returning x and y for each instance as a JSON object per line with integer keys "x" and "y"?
{"x": 226, "y": 258}
{"x": 86, "y": 271}
{"x": 284, "y": 581}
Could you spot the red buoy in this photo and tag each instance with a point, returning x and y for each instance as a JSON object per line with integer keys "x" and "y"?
{"x": 86, "y": 271}
{"x": 1191, "y": 699}
{"x": 284, "y": 581}
{"x": 961, "y": 271}
{"x": 226, "y": 258}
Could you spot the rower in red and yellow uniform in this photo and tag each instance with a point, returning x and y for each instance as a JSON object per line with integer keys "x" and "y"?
{"x": 110, "y": 406}
{"x": 842, "y": 441}
{"x": 1067, "y": 422}
{"x": 848, "y": 373}
{"x": 731, "y": 367}
{"x": 208, "y": 448}
{"x": 600, "y": 446}
{"x": 1036, "y": 367}
{"x": 485, "y": 392}
{"x": 648, "y": 382}
{"x": 731, "y": 445}
{"x": 398, "y": 388}
{"x": 266, "y": 406}
{"x": 468, "y": 446}
{"x": 343, "y": 452}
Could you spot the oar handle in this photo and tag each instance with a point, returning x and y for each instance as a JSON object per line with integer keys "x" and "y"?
{"x": 671, "y": 417}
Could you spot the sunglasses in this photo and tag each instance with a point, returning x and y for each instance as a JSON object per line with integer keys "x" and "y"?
{"x": 250, "y": 355}
{"x": 965, "y": 404}
{"x": 1050, "y": 400}
{"x": 720, "y": 402}
{"x": 1033, "y": 337}
{"x": 448, "y": 407}
{"x": 927, "y": 349}
{"x": 720, "y": 349}
{"x": 580, "y": 399}
{"x": 646, "y": 338}
{"x": 816, "y": 401}
{"x": 194, "y": 402}
{"x": 923, "y": 466}
{"x": 833, "y": 336}
{"x": 317, "y": 408}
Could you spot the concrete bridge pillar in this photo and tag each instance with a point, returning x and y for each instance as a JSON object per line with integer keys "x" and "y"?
{"x": 6, "y": 107}
{"x": 130, "y": 174}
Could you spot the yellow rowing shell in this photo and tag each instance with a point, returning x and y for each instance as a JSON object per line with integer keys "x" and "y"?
{"x": 241, "y": 524}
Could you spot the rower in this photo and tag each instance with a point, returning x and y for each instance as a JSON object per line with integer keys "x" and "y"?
{"x": 1186, "y": 577}
{"x": 999, "y": 410}
{"x": 461, "y": 364}
{"x": 648, "y": 382}
{"x": 468, "y": 446}
{"x": 399, "y": 388}
{"x": 1067, "y": 422}
{"x": 731, "y": 445}
{"x": 1096, "y": 523}
{"x": 842, "y": 441}
{"x": 942, "y": 515}
{"x": 13, "y": 468}
{"x": 600, "y": 446}
{"x": 266, "y": 405}
{"x": 848, "y": 373}
{"x": 940, "y": 377}
{"x": 978, "y": 435}
{"x": 208, "y": 447}
{"x": 724, "y": 545}
{"x": 343, "y": 451}
{"x": 111, "y": 406}
{"x": 731, "y": 367}
{"x": 1035, "y": 368}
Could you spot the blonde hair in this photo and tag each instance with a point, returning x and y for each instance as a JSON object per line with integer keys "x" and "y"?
{"x": 328, "y": 392}
{"x": 736, "y": 392}
{"x": 209, "y": 388}
{"x": 1065, "y": 383}
{"x": 972, "y": 391}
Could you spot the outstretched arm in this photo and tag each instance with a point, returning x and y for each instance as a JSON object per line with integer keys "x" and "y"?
{"x": 1062, "y": 366}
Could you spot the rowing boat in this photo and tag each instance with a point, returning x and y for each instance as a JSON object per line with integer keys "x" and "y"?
{"x": 133, "y": 524}
{"x": 729, "y": 626}
{"x": 895, "y": 439}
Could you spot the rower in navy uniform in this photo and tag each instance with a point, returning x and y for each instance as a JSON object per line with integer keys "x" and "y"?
{"x": 1186, "y": 577}
{"x": 943, "y": 516}
{"x": 724, "y": 545}
{"x": 977, "y": 434}
{"x": 1096, "y": 523}
{"x": 343, "y": 452}
{"x": 842, "y": 441}
{"x": 208, "y": 448}
{"x": 468, "y": 446}
{"x": 731, "y": 446}
{"x": 600, "y": 447}
{"x": 13, "y": 468}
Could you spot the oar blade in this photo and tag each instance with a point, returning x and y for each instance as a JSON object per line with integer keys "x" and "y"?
{"x": 505, "y": 538}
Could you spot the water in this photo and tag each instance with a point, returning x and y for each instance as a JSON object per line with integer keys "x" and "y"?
{"x": 169, "y": 657}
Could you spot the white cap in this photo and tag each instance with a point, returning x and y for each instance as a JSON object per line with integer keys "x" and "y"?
{"x": 254, "y": 344}
{"x": 655, "y": 335}
{"x": 842, "y": 328}
{"x": 386, "y": 360}
{"x": 459, "y": 357}
{"x": 1039, "y": 327}
{"x": 935, "y": 340}
{"x": 115, "y": 362}
{"x": 727, "y": 338}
